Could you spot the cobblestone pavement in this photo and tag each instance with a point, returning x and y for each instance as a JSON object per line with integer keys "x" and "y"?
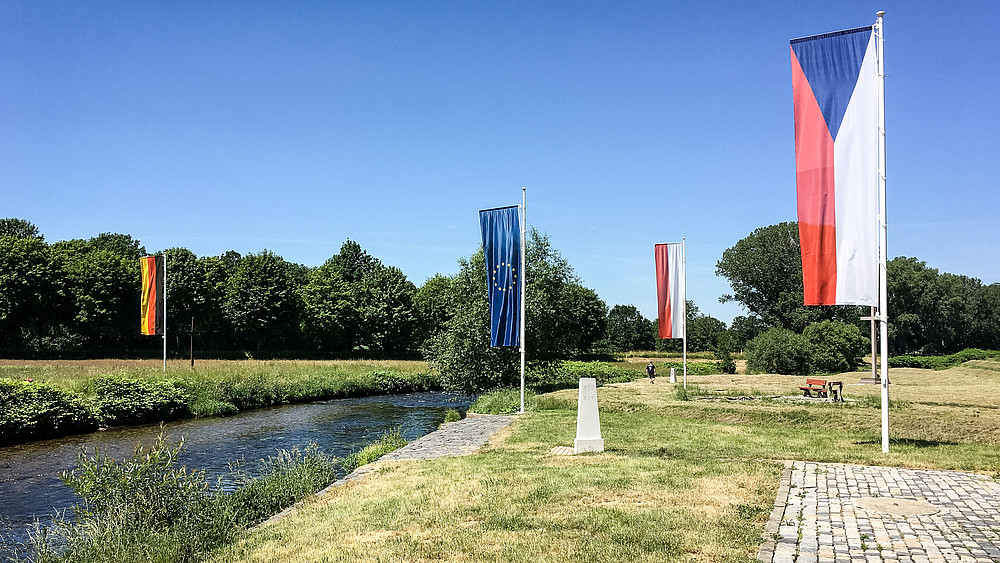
{"x": 827, "y": 512}
{"x": 453, "y": 439}
{"x": 458, "y": 438}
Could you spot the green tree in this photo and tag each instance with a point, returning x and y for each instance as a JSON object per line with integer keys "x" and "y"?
{"x": 461, "y": 353}
{"x": 745, "y": 328}
{"x": 987, "y": 322}
{"x": 353, "y": 262}
{"x": 18, "y": 228}
{"x": 103, "y": 279}
{"x": 432, "y": 302}
{"x": 216, "y": 328}
{"x": 328, "y": 310}
{"x": 703, "y": 333}
{"x": 779, "y": 350}
{"x": 386, "y": 311}
{"x": 907, "y": 283}
{"x": 951, "y": 320}
{"x": 564, "y": 319}
{"x": 765, "y": 271}
{"x": 189, "y": 296}
{"x": 724, "y": 348}
{"x": 835, "y": 347}
{"x": 628, "y": 330}
{"x": 262, "y": 300}
{"x": 35, "y": 308}
{"x": 123, "y": 246}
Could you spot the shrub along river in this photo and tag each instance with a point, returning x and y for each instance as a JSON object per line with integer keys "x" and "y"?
{"x": 31, "y": 490}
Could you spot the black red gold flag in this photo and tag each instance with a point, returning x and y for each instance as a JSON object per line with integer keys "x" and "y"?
{"x": 152, "y": 294}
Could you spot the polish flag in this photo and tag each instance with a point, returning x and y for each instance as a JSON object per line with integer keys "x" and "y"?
{"x": 670, "y": 291}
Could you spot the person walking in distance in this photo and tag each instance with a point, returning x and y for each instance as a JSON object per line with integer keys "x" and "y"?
{"x": 651, "y": 372}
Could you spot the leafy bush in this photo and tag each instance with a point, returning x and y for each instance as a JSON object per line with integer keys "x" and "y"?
{"x": 724, "y": 353}
{"x": 694, "y": 368}
{"x": 452, "y": 416}
{"x": 779, "y": 350}
{"x": 566, "y": 375}
{"x": 29, "y": 411}
{"x": 121, "y": 400}
{"x": 392, "y": 382}
{"x": 836, "y": 347}
{"x": 941, "y": 362}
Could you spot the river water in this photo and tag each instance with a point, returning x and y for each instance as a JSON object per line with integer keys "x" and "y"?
{"x": 30, "y": 488}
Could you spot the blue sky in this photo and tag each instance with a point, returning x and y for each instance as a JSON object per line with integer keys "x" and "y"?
{"x": 292, "y": 126}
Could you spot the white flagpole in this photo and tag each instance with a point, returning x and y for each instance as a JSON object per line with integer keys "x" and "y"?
{"x": 164, "y": 311}
{"x": 883, "y": 300}
{"x": 685, "y": 299}
{"x": 524, "y": 268}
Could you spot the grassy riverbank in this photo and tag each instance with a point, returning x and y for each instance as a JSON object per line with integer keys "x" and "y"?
{"x": 41, "y": 399}
{"x": 685, "y": 477}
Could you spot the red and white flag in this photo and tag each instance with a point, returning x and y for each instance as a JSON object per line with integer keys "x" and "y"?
{"x": 835, "y": 95}
{"x": 670, "y": 292}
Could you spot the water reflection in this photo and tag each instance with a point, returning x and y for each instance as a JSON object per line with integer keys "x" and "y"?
{"x": 29, "y": 473}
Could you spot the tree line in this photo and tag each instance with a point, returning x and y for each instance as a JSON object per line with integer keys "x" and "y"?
{"x": 930, "y": 312}
{"x": 81, "y": 297}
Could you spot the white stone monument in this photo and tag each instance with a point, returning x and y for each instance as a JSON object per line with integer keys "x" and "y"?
{"x": 673, "y": 375}
{"x": 588, "y": 422}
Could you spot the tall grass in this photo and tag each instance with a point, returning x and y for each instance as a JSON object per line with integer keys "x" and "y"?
{"x": 388, "y": 442}
{"x": 148, "y": 508}
{"x": 502, "y": 401}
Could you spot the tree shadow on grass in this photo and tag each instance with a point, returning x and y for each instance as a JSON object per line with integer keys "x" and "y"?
{"x": 906, "y": 442}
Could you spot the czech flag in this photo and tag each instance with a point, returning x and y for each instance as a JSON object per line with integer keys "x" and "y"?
{"x": 670, "y": 291}
{"x": 152, "y": 297}
{"x": 835, "y": 95}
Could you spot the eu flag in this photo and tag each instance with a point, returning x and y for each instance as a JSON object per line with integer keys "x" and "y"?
{"x": 502, "y": 246}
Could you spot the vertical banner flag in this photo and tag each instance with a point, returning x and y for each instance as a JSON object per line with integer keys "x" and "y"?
{"x": 670, "y": 291}
{"x": 152, "y": 295}
{"x": 502, "y": 246}
{"x": 835, "y": 98}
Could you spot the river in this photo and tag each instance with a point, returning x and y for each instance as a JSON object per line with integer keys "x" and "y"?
{"x": 30, "y": 488}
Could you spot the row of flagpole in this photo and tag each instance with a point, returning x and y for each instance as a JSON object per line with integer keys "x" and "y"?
{"x": 501, "y": 245}
{"x": 833, "y": 243}
{"x": 498, "y": 223}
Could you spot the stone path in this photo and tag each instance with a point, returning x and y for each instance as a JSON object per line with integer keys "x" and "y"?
{"x": 827, "y": 512}
{"x": 457, "y": 438}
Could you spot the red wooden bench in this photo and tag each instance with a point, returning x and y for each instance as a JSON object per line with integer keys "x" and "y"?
{"x": 817, "y": 385}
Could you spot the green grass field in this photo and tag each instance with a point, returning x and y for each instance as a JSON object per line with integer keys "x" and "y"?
{"x": 74, "y": 375}
{"x": 680, "y": 480}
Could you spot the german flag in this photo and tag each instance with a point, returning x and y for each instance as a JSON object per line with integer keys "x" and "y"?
{"x": 153, "y": 289}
